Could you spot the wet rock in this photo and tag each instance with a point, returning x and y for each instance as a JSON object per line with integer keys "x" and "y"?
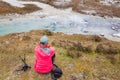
{"x": 102, "y": 34}
{"x": 10, "y": 19}
{"x": 85, "y": 31}
{"x": 42, "y": 16}
{"x": 62, "y": 3}
{"x": 115, "y": 28}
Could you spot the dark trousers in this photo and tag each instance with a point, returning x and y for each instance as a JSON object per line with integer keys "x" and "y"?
{"x": 52, "y": 76}
{"x": 53, "y": 58}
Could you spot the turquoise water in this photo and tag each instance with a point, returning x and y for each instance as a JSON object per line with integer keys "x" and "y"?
{"x": 70, "y": 25}
{"x": 22, "y": 26}
{"x": 31, "y": 24}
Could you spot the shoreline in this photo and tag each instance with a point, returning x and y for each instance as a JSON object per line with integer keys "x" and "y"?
{"x": 49, "y": 11}
{"x": 10, "y": 18}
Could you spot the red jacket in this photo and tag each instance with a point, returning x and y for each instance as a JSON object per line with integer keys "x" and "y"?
{"x": 43, "y": 62}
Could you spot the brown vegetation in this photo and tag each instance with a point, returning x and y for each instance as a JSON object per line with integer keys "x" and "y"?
{"x": 77, "y": 5}
{"x": 107, "y": 48}
{"x": 70, "y": 52}
{"x": 102, "y": 10}
{"x": 62, "y": 4}
{"x": 6, "y": 8}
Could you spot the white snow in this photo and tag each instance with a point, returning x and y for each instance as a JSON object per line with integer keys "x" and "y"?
{"x": 14, "y": 3}
{"x": 117, "y": 35}
{"x": 111, "y": 2}
{"x": 89, "y": 11}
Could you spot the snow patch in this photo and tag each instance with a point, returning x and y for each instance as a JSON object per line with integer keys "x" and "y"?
{"x": 89, "y": 11}
{"x": 116, "y": 35}
{"x": 111, "y": 2}
{"x": 14, "y": 3}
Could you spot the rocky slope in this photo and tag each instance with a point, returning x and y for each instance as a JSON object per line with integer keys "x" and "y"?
{"x": 101, "y": 8}
{"x": 6, "y": 8}
{"x": 92, "y": 7}
{"x": 80, "y": 57}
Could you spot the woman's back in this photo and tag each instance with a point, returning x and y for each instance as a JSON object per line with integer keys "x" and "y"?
{"x": 43, "y": 63}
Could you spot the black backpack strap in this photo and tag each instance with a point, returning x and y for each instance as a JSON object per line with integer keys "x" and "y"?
{"x": 53, "y": 59}
{"x": 55, "y": 65}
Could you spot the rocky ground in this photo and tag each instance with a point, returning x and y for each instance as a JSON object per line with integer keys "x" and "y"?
{"x": 101, "y": 8}
{"x": 6, "y": 8}
{"x": 91, "y": 7}
{"x": 80, "y": 57}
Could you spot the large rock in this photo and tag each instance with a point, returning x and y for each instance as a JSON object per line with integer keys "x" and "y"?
{"x": 62, "y": 3}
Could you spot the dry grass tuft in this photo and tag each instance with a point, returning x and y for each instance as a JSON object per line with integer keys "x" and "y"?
{"x": 107, "y": 48}
{"x": 48, "y": 33}
{"x": 96, "y": 38}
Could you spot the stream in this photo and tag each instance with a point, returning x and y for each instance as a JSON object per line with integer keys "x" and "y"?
{"x": 65, "y": 21}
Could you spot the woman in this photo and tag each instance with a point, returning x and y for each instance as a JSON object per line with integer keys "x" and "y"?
{"x": 44, "y": 56}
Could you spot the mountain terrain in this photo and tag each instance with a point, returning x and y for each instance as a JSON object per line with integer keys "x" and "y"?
{"x": 81, "y": 57}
